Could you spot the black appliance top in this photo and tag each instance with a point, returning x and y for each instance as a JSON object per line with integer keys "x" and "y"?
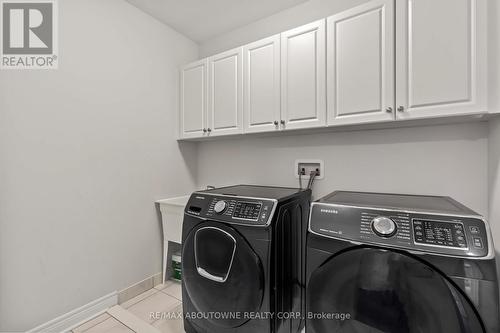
{"x": 417, "y": 203}
{"x": 254, "y": 191}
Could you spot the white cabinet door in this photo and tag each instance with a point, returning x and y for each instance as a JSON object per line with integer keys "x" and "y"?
{"x": 225, "y": 93}
{"x": 261, "y": 76}
{"x": 360, "y": 64}
{"x": 303, "y": 72}
{"x": 440, "y": 57}
{"x": 193, "y": 99}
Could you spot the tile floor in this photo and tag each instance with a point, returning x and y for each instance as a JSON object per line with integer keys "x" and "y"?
{"x": 138, "y": 313}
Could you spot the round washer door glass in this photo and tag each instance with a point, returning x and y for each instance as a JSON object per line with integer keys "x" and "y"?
{"x": 221, "y": 274}
{"x": 368, "y": 290}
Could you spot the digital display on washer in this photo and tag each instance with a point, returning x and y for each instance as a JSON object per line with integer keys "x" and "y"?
{"x": 247, "y": 211}
{"x": 439, "y": 233}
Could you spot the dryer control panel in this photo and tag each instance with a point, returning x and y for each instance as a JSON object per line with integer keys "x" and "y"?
{"x": 463, "y": 236}
{"x": 229, "y": 209}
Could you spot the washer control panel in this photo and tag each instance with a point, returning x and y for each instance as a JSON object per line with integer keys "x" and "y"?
{"x": 381, "y": 225}
{"x": 220, "y": 206}
{"x": 430, "y": 232}
{"x": 384, "y": 226}
{"x": 464, "y": 236}
{"x": 237, "y": 210}
{"x": 247, "y": 210}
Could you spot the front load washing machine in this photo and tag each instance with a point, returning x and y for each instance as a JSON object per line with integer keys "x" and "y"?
{"x": 243, "y": 251}
{"x": 399, "y": 264}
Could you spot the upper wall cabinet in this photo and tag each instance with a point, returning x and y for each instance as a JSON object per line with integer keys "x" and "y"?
{"x": 441, "y": 57}
{"x": 225, "y": 98}
{"x": 360, "y": 64}
{"x": 193, "y": 99}
{"x": 303, "y": 71}
{"x": 261, "y": 76}
{"x": 382, "y": 61}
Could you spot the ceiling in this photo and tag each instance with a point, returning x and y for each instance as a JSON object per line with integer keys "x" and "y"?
{"x": 201, "y": 20}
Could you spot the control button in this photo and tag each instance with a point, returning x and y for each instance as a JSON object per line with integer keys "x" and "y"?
{"x": 384, "y": 226}
{"x": 477, "y": 242}
{"x": 220, "y": 206}
{"x": 460, "y": 238}
{"x": 474, "y": 230}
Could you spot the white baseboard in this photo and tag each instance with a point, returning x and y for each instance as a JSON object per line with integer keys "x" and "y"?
{"x": 78, "y": 316}
{"x": 139, "y": 287}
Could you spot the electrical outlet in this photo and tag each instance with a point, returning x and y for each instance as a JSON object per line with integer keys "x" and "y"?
{"x": 304, "y": 168}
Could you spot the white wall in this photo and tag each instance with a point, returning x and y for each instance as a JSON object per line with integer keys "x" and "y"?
{"x": 494, "y": 182}
{"x": 494, "y": 55}
{"x": 494, "y": 126}
{"x": 301, "y": 14}
{"x": 84, "y": 152}
{"x": 439, "y": 160}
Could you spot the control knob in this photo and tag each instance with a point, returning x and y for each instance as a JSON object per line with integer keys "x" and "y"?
{"x": 220, "y": 206}
{"x": 384, "y": 226}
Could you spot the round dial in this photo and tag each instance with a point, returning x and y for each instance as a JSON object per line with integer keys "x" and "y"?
{"x": 220, "y": 206}
{"x": 384, "y": 226}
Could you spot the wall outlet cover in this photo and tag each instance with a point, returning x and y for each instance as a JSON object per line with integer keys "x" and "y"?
{"x": 309, "y": 165}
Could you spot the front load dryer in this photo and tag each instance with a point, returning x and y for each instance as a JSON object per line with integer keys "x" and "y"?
{"x": 385, "y": 263}
{"x": 243, "y": 251}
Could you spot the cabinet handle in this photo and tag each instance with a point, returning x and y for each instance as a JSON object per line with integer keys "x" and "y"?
{"x": 282, "y": 122}
{"x": 388, "y": 110}
{"x": 204, "y": 130}
{"x": 275, "y": 123}
{"x": 401, "y": 108}
{"x": 209, "y": 130}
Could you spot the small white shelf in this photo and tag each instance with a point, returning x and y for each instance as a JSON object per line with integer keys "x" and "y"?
{"x": 172, "y": 215}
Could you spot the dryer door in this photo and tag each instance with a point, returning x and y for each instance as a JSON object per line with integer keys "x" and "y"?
{"x": 222, "y": 275}
{"x": 385, "y": 292}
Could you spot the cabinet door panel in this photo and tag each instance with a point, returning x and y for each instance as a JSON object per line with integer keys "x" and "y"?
{"x": 441, "y": 57}
{"x": 303, "y": 94}
{"x": 225, "y": 97}
{"x": 360, "y": 64}
{"x": 193, "y": 99}
{"x": 262, "y": 85}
